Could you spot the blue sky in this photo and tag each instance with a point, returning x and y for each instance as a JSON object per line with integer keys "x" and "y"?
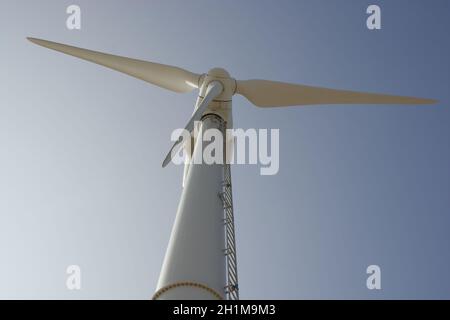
{"x": 81, "y": 147}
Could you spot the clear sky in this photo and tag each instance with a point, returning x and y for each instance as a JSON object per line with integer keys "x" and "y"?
{"x": 81, "y": 147}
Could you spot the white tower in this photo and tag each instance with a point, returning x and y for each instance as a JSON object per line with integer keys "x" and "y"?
{"x": 195, "y": 262}
{"x": 194, "y": 265}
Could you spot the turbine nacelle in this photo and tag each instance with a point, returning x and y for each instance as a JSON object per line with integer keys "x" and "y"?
{"x": 221, "y": 104}
{"x": 222, "y": 76}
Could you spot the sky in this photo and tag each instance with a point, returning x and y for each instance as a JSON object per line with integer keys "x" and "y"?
{"x": 81, "y": 147}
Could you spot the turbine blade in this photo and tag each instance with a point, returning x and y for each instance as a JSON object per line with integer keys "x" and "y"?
{"x": 214, "y": 89}
{"x": 164, "y": 76}
{"x": 264, "y": 93}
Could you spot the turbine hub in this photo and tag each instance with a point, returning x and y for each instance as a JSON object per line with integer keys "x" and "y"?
{"x": 221, "y": 105}
{"x": 221, "y": 75}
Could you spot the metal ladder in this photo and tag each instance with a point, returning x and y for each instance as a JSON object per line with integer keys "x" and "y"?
{"x": 232, "y": 288}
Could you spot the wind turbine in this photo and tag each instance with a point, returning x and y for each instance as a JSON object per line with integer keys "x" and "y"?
{"x": 200, "y": 261}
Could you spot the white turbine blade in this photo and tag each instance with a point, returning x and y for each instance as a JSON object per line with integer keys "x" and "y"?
{"x": 214, "y": 89}
{"x": 263, "y": 93}
{"x": 167, "y": 77}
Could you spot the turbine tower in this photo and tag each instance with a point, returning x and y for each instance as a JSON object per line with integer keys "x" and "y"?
{"x": 200, "y": 261}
